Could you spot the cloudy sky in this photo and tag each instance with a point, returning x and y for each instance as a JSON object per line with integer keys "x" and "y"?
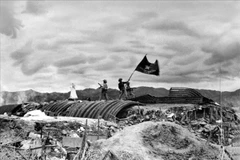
{"x": 47, "y": 45}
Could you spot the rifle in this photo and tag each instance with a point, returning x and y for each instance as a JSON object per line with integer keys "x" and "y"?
{"x": 99, "y": 85}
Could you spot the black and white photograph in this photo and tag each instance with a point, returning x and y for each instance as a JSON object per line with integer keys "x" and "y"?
{"x": 119, "y": 80}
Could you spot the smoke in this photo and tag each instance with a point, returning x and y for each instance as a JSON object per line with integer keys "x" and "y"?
{"x": 9, "y": 25}
{"x": 21, "y": 97}
{"x": 1, "y": 100}
{"x": 13, "y": 98}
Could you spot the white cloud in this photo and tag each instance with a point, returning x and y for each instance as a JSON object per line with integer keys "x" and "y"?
{"x": 84, "y": 43}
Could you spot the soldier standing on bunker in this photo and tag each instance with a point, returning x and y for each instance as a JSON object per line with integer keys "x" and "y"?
{"x": 121, "y": 87}
{"x": 104, "y": 88}
{"x": 129, "y": 90}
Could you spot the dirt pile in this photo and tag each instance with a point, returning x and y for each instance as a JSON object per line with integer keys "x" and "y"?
{"x": 155, "y": 141}
{"x": 171, "y": 141}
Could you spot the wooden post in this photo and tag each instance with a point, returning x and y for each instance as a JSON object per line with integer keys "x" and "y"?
{"x": 81, "y": 152}
{"x": 98, "y": 129}
{"x": 189, "y": 118}
{"x": 211, "y": 112}
{"x": 209, "y": 137}
{"x": 43, "y": 152}
{"x": 204, "y": 113}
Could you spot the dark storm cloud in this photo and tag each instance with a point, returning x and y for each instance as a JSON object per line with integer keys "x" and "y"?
{"x": 35, "y": 7}
{"x": 72, "y": 61}
{"x": 9, "y": 25}
{"x": 176, "y": 27}
{"x": 222, "y": 52}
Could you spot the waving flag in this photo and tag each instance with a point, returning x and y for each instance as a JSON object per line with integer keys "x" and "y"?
{"x": 148, "y": 68}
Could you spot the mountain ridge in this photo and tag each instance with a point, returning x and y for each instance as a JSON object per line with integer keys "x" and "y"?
{"x": 227, "y": 98}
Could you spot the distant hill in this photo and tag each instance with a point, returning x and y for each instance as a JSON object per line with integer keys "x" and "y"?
{"x": 231, "y": 99}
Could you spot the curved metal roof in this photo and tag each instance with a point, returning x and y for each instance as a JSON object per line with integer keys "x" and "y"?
{"x": 183, "y": 92}
{"x": 89, "y": 109}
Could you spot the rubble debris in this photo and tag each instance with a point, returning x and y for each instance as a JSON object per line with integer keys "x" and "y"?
{"x": 20, "y": 109}
{"x": 204, "y": 121}
{"x": 44, "y": 139}
{"x": 38, "y": 135}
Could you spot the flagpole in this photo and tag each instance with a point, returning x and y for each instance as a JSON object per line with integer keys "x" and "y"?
{"x": 133, "y": 72}
{"x": 130, "y": 76}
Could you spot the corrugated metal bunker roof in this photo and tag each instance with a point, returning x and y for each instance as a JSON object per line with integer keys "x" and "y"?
{"x": 177, "y": 95}
{"x": 183, "y": 92}
{"x": 90, "y": 109}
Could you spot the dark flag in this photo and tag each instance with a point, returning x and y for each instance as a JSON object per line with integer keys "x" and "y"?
{"x": 149, "y": 68}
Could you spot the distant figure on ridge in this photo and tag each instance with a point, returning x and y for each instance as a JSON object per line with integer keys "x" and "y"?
{"x": 73, "y": 95}
{"x": 104, "y": 88}
{"x": 122, "y": 88}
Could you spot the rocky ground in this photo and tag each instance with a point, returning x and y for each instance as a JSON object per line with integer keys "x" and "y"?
{"x": 28, "y": 137}
{"x": 157, "y": 141}
{"x": 59, "y": 138}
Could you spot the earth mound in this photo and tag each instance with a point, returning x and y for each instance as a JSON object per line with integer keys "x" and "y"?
{"x": 155, "y": 141}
